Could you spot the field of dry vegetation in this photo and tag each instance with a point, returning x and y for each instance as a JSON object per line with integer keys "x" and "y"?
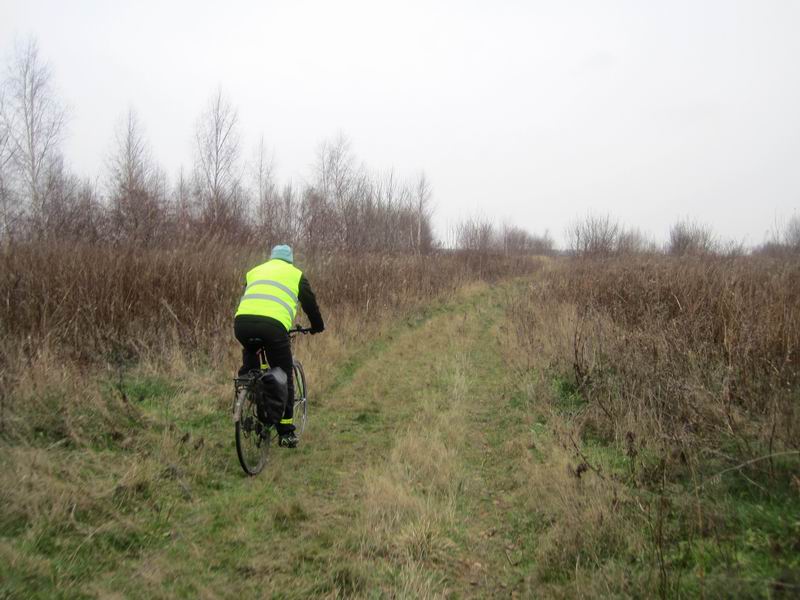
{"x": 580, "y": 426}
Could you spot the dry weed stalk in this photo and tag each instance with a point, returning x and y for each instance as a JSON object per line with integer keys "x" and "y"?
{"x": 685, "y": 371}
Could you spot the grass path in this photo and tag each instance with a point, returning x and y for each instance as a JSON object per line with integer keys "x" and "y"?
{"x": 396, "y": 491}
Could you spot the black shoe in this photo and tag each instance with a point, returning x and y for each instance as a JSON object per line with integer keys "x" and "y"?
{"x": 288, "y": 440}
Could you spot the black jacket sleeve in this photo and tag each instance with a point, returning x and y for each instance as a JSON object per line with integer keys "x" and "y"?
{"x": 309, "y": 303}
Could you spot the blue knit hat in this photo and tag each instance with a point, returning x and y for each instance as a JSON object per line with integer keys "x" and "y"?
{"x": 283, "y": 252}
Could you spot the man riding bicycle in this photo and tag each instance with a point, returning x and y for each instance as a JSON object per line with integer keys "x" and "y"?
{"x": 265, "y": 315}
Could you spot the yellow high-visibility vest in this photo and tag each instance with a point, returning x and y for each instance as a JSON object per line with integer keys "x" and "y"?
{"x": 272, "y": 289}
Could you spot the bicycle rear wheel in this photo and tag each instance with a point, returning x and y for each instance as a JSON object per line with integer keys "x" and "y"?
{"x": 300, "y": 414}
{"x": 253, "y": 438}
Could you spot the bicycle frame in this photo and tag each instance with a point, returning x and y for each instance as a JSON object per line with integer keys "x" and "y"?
{"x": 245, "y": 381}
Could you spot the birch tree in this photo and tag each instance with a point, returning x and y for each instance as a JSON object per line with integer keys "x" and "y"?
{"x": 34, "y": 120}
{"x": 217, "y": 171}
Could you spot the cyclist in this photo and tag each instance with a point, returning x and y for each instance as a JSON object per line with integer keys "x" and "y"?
{"x": 265, "y": 315}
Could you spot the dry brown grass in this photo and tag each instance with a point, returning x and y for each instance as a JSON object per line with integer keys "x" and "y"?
{"x": 111, "y": 302}
{"x": 48, "y": 401}
{"x": 649, "y": 378}
{"x": 586, "y": 520}
{"x": 682, "y": 351}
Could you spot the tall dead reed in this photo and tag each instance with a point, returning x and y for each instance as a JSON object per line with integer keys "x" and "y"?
{"x": 90, "y": 301}
{"x": 691, "y": 353}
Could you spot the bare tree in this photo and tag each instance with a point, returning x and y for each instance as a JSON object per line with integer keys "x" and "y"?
{"x": 182, "y": 203}
{"x": 267, "y": 202}
{"x": 318, "y": 222}
{"x": 90, "y": 221}
{"x": 391, "y": 230}
{"x": 34, "y": 120}
{"x": 335, "y": 170}
{"x": 335, "y": 196}
{"x": 135, "y": 184}
{"x": 7, "y": 204}
{"x": 348, "y": 209}
{"x": 423, "y": 240}
{"x": 289, "y": 217}
{"x": 217, "y": 171}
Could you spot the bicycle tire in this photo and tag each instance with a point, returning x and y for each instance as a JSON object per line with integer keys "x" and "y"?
{"x": 253, "y": 438}
{"x": 300, "y": 414}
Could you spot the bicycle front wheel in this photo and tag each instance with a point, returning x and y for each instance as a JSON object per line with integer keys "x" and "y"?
{"x": 300, "y": 414}
{"x": 253, "y": 438}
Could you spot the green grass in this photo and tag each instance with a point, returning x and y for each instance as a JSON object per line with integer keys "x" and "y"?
{"x": 568, "y": 399}
{"x": 737, "y": 536}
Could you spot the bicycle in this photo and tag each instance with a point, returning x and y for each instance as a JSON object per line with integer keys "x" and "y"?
{"x": 253, "y": 436}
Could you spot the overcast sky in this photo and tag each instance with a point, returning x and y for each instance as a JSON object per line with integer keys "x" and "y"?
{"x": 527, "y": 112}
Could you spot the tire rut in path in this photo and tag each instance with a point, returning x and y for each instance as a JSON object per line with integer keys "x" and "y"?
{"x": 468, "y": 549}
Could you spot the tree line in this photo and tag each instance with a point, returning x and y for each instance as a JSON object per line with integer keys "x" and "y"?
{"x": 345, "y": 207}
{"x": 599, "y": 235}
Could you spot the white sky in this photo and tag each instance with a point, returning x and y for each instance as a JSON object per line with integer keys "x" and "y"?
{"x": 527, "y": 112}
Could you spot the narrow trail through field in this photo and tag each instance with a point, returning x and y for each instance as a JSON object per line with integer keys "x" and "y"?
{"x": 398, "y": 489}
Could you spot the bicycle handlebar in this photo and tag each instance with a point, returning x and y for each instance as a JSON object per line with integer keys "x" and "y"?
{"x": 300, "y": 329}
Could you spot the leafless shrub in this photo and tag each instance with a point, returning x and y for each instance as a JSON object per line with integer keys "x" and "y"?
{"x": 691, "y": 238}
{"x": 593, "y": 236}
{"x": 633, "y": 241}
{"x": 791, "y": 234}
{"x": 518, "y": 241}
{"x": 476, "y": 235}
{"x": 601, "y": 236}
{"x": 784, "y": 240}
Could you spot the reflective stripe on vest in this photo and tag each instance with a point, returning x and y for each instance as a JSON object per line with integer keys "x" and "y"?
{"x": 273, "y": 299}
{"x": 277, "y": 284}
